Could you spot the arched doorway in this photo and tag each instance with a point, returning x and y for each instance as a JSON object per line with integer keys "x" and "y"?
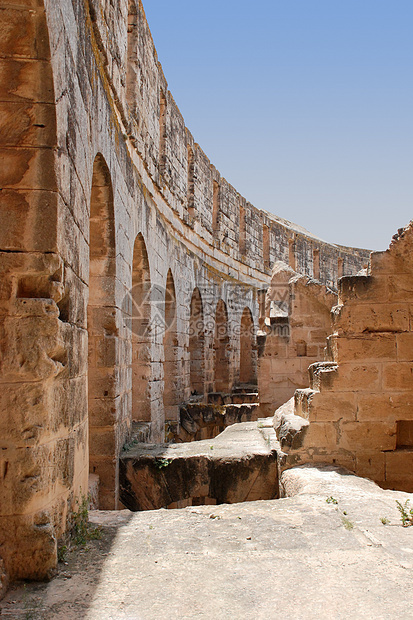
{"x": 248, "y": 355}
{"x": 221, "y": 349}
{"x": 141, "y": 317}
{"x": 170, "y": 343}
{"x": 102, "y": 337}
{"x": 197, "y": 345}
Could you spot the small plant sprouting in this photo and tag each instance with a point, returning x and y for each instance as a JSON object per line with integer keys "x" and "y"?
{"x": 331, "y": 500}
{"x": 128, "y": 446}
{"x": 62, "y": 553}
{"x": 385, "y": 520}
{"x": 160, "y": 463}
{"x": 406, "y": 513}
{"x": 81, "y": 530}
{"x": 347, "y": 523}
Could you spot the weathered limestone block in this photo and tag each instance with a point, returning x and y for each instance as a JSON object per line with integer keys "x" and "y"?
{"x": 238, "y": 465}
{"x": 391, "y": 406}
{"x": 46, "y": 357}
{"x": 23, "y": 32}
{"x": 28, "y": 545}
{"x": 404, "y": 347}
{"x": 205, "y": 421}
{"x": 363, "y": 347}
{"x": 367, "y": 436}
{"x": 322, "y": 375}
{"x": 29, "y": 220}
{"x": 373, "y": 317}
{"x": 23, "y": 80}
{"x": 291, "y": 431}
{"x": 311, "y": 404}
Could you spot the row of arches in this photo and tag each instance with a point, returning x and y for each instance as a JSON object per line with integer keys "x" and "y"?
{"x": 133, "y": 340}
{"x": 156, "y": 309}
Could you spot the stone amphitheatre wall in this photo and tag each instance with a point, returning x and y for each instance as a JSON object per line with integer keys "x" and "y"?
{"x": 114, "y": 223}
{"x": 359, "y": 404}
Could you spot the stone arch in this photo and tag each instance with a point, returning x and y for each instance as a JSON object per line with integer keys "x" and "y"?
{"x": 170, "y": 344}
{"x": 141, "y": 342}
{"x": 221, "y": 349}
{"x": 248, "y": 357}
{"x": 197, "y": 344}
{"x": 102, "y": 337}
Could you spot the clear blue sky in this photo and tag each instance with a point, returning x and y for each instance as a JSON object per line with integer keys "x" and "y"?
{"x": 305, "y": 106}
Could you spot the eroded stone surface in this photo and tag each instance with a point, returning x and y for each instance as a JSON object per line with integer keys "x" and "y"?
{"x": 239, "y": 465}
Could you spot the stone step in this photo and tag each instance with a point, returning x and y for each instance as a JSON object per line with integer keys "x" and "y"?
{"x": 245, "y": 388}
{"x": 245, "y": 397}
{"x": 206, "y": 421}
{"x": 322, "y": 375}
{"x": 218, "y": 398}
{"x": 302, "y": 402}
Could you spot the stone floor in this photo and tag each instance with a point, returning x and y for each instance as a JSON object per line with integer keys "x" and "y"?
{"x": 301, "y": 557}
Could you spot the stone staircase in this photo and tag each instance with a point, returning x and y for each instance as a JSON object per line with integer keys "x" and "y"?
{"x": 200, "y": 420}
{"x": 322, "y": 375}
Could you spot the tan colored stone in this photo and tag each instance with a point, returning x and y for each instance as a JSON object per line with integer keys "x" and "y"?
{"x": 364, "y": 376}
{"x": 398, "y": 376}
{"x": 377, "y": 317}
{"x": 364, "y": 347}
{"x": 405, "y": 347}
{"x": 24, "y": 168}
{"x": 399, "y": 465}
{"x": 342, "y": 407}
{"x": 23, "y": 33}
{"x": 23, "y": 80}
{"x": 387, "y": 407}
{"x": 367, "y": 436}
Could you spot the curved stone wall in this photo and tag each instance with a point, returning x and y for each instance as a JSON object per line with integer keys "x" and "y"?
{"x": 111, "y": 218}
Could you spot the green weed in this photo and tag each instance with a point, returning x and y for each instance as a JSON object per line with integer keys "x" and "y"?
{"x": 160, "y": 463}
{"x": 406, "y": 513}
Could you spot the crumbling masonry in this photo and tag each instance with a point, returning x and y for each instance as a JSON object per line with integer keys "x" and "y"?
{"x": 128, "y": 266}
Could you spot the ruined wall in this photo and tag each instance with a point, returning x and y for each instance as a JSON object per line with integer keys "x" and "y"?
{"x": 360, "y": 403}
{"x": 107, "y": 205}
{"x": 297, "y": 323}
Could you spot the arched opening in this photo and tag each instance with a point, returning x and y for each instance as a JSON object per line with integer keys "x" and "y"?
{"x": 102, "y": 337}
{"x": 141, "y": 317}
{"x": 196, "y": 345}
{"x": 248, "y": 354}
{"x": 221, "y": 349}
{"x": 170, "y": 344}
